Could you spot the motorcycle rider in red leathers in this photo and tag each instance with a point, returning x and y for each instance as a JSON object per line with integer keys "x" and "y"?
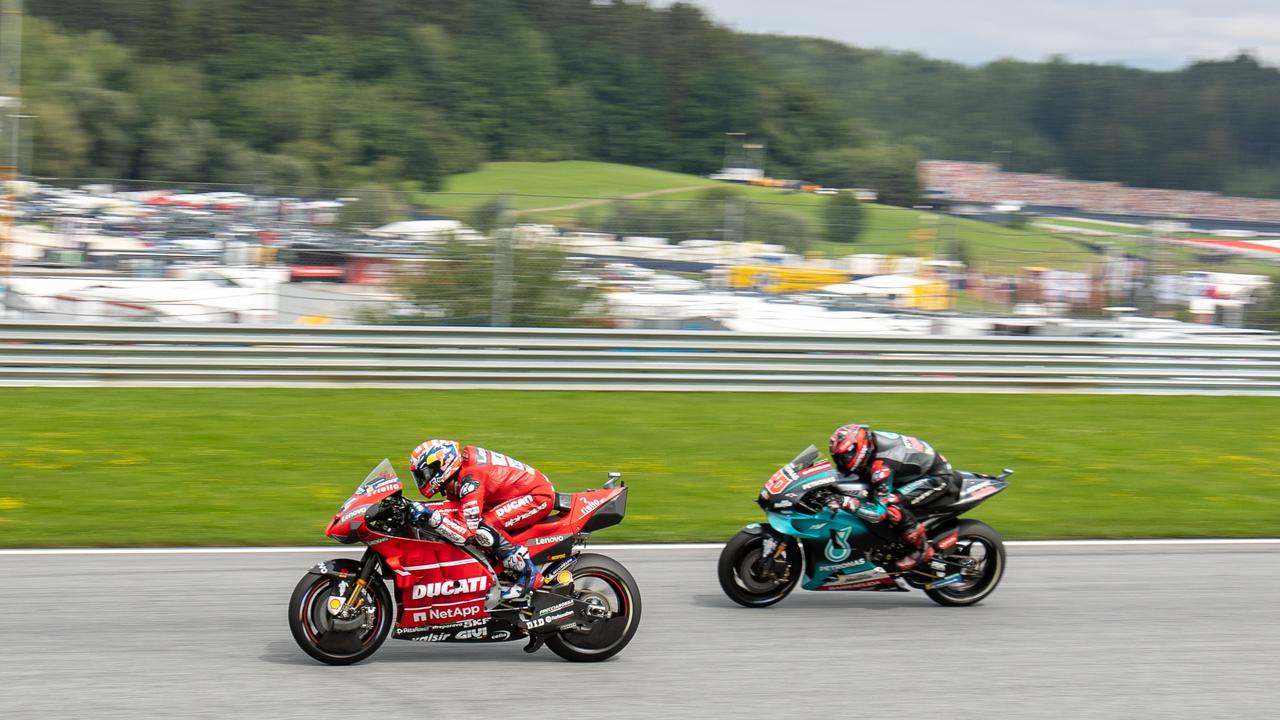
{"x": 496, "y": 495}
{"x": 903, "y": 471}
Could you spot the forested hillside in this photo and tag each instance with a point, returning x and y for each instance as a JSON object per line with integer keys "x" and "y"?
{"x": 1214, "y": 125}
{"x": 334, "y": 92}
{"x": 398, "y": 92}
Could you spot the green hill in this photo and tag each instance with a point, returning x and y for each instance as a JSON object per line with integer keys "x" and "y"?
{"x": 554, "y": 184}
{"x": 578, "y": 194}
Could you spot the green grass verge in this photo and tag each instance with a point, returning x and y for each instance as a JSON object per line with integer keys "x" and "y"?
{"x": 1175, "y": 258}
{"x": 1109, "y": 228}
{"x": 110, "y": 467}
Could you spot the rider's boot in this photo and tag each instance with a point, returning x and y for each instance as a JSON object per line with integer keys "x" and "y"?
{"x": 512, "y": 557}
{"x": 528, "y": 579}
{"x": 923, "y": 550}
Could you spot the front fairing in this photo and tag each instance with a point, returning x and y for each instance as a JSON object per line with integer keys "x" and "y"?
{"x": 804, "y": 474}
{"x": 836, "y": 548}
{"x": 816, "y": 526}
{"x": 347, "y": 525}
{"x": 789, "y": 473}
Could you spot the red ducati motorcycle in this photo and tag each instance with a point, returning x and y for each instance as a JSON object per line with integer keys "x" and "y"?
{"x": 413, "y": 585}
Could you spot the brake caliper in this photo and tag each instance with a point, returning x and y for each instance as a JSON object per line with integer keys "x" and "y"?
{"x": 770, "y": 546}
{"x": 337, "y": 601}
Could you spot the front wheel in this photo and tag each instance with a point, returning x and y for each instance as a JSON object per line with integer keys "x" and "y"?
{"x": 603, "y": 581}
{"x": 348, "y": 637}
{"x": 982, "y": 546}
{"x": 741, "y": 570}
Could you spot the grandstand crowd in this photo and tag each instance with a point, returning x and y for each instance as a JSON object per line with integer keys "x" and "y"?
{"x": 985, "y": 182}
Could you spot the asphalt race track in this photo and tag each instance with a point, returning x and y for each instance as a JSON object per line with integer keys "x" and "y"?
{"x": 1145, "y": 632}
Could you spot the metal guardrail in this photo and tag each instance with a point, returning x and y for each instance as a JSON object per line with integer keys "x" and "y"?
{"x": 125, "y": 354}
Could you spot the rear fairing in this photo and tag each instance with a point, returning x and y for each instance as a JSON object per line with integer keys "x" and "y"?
{"x": 591, "y": 511}
{"x": 974, "y": 490}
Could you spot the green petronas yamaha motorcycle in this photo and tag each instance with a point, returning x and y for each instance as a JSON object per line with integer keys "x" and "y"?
{"x": 805, "y": 543}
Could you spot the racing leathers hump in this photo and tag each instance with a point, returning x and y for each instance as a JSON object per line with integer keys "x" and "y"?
{"x": 501, "y": 491}
{"x": 899, "y": 459}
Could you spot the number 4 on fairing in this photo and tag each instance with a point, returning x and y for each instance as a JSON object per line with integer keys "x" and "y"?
{"x": 804, "y": 543}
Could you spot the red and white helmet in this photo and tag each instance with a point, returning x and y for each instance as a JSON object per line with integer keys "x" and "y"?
{"x": 851, "y": 448}
{"x": 434, "y": 463}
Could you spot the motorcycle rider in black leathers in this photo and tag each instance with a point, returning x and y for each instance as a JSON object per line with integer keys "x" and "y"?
{"x": 903, "y": 472}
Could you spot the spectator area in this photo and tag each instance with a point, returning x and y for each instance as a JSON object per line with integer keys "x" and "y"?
{"x": 985, "y": 182}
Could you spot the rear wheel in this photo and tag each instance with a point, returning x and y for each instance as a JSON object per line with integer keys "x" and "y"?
{"x": 980, "y": 544}
{"x": 741, "y": 571}
{"x": 347, "y": 638}
{"x": 602, "y": 581}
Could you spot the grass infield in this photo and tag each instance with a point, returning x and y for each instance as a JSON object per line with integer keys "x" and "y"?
{"x": 133, "y": 467}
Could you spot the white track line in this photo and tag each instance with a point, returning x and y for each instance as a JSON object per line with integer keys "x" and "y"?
{"x": 613, "y": 547}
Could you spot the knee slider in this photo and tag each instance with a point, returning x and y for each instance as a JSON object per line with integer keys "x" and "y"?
{"x": 486, "y": 537}
{"x": 915, "y": 535}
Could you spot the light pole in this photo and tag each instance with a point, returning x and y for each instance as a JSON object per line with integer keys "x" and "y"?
{"x": 733, "y": 152}
{"x": 8, "y": 179}
{"x": 1007, "y": 152}
{"x": 10, "y": 103}
{"x": 503, "y": 260}
{"x": 24, "y": 155}
{"x": 758, "y": 162}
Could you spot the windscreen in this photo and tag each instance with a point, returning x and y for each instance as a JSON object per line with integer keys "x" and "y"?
{"x": 806, "y": 458}
{"x": 380, "y": 475}
{"x": 788, "y": 473}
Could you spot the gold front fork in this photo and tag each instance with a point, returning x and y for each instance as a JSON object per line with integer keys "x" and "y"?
{"x": 357, "y": 597}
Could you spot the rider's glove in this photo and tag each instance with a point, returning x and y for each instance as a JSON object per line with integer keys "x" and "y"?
{"x": 422, "y": 515}
{"x": 843, "y": 502}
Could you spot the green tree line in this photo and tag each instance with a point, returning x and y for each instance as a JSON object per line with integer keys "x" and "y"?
{"x": 1209, "y": 126}
{"x": 339, "y": 94}
{"x": 400, "y": 92}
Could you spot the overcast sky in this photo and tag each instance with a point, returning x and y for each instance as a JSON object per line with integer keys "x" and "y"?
{"x": 1157, "y": 34}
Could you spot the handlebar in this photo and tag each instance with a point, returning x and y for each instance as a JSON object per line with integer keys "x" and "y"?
{"x": 392, "y": 513}
{"x": 391, "y": 517}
